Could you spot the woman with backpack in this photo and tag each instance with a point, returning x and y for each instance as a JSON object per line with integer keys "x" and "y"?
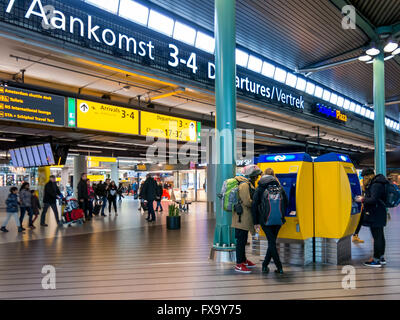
{"x": 269, "y": 207}
{"x": 242, "y": 219}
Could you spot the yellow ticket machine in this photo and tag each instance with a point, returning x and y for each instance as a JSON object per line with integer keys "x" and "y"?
{"x": 336, "y": 184}
{"x": 295, "y": 173}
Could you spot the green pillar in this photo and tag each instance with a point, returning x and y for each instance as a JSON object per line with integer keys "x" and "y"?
{"x": 379, "y": 107}
{"x": 225, "y": 96}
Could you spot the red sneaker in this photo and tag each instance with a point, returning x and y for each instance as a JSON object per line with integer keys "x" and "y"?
{"x": 249, "y": 264}
{"x": 242, "y": 268}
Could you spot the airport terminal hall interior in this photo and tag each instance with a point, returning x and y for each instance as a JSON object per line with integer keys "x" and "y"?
{"x": 204, "y": 155}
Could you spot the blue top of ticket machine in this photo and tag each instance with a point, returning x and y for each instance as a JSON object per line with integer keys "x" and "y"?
{"x": 333, "y": 157}
{"x": 290, "y": 157}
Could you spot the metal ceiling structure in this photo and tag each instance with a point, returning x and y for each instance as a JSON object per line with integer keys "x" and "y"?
{"x": 300, "y": 33}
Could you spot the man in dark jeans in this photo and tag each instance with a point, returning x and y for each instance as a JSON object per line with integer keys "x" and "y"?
{"x": 149, "y": 193}
{"x": 51, "y": 192}
{"x": 83, "y": 195}
{"x": 375, "y": 215}
{"x": 101, "y": 191}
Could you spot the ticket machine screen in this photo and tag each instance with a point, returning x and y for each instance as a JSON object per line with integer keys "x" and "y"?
{"x": 355, "y": 191}
{"x": 288, "y": 182}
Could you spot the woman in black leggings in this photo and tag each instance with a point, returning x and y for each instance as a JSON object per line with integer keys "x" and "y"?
{"x": 268, "y": 210}
{"x": 112, "y": 197}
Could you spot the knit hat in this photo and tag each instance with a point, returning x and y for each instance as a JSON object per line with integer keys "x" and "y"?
{"x": 251, "y": 171}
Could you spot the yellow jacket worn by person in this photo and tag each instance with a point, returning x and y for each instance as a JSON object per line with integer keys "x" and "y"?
{"x": 246, "y": 192}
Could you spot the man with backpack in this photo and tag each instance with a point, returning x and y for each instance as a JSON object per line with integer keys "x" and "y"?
{"x": 242, "y": 219}
{"x": 269, "y": 207}
{"x": 379, "y": 195}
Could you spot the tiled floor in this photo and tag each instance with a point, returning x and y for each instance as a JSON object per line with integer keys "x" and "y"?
{"x": 126, "y": 258}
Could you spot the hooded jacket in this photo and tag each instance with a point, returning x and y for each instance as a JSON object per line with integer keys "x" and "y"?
{"x": 246, "y": 192}
{"x": 374, "y": 208}
{"x": 25, "y": 196}
{"x": 258, "y": 216}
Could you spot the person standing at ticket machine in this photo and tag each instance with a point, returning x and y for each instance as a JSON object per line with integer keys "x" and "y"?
{"x": 51, "y": 193}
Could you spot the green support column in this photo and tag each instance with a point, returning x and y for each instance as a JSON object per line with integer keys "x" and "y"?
{"x": 225, "y": 96}
{"x": 379, "y": 106}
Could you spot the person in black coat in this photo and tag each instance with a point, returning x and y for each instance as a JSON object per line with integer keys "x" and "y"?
{"x": 51, "y": 193}
{"x": 159, "y": 196}
{"x": 83, "y": 195}
{"x": 112, "y": 197}
{"x": 149, "y": 193}
{"x": 375, "y": 215}
{"x": 270, "y": 223}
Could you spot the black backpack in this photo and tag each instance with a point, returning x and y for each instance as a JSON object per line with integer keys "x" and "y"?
{"x": 272, "y": 207}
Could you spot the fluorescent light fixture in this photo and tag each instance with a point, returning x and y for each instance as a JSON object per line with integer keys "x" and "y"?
{"x": 98, "y": 147}
{"x": 340, "y": 102}
{"x": 161, "y": 23}
{"x": 184, "y": 33}
{"x": 388, "y": 57}
{"x": 8, "y": 139}
{"x": 205, "y": 42}
{"x": 386, "y": 121}
{"x": 391, "y": 46}
{"x": 363, "y": 111}
{"x": 398, "y": 126}
{"x": 368, "y": 114}
{"x": 109, "y": 5}
{"x": 134, "y": 11}
{"x": 358, "y": 109}
{"x": 396, "y": 52}
{"x": 291, "y": 80}
{"x": 255, "y": 64}
{"x": 352, "y": 107}
{"x": 318, "y": 92}
{"x": 268, "y": 70}
{"x": 334, "y": 98}
{"x": 346, "y": 104}
{"x": 301, "y": 84}
{"x": 280, "y": 75}
{"x": 310, "y": 88}
{"x": 242, "y": 58}
{"x": 365, "y": 58}
{"x": 327, "y": 95}
{"x": 87, "y": 151}
{"x": 373, "y": 51}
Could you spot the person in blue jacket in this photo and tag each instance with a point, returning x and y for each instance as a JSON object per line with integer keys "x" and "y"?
{"x": 12, "y": 210}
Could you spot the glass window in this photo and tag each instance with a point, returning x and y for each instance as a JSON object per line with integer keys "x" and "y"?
{"x": 291, "y": 80}
{"x": 242, "y": 58}
{"x": 205, "y": 42}
{"x": 301, "y": 84}
{"x": 318, "y": 92}
{"x": 326, "y": 95}
{"x": 268, "y": 70}
{"x": 161, "y": 23}
{"x": 280, "y": 75}
{"x": 310, "y": 89}
{"x": 184, "y": 33}
{"x": 134, "y": 11}
{"x": 109, "y": 5}
{"x": 255, "y": 64}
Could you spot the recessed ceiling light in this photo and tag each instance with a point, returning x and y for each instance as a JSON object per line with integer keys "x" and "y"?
{"x": 396, "y": 52}
{"x": 389, "y": 57}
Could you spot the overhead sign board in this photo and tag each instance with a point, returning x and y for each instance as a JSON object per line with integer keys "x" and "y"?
{"x": 31, "y": 106}
{"x": 104, "y": 117}
{"x": 161, "y": 126}
{"x": 330, "y": 113}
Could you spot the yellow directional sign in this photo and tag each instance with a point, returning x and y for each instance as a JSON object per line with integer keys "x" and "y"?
{"x": 161, "y": 126}
{"x": 104, "y": 117}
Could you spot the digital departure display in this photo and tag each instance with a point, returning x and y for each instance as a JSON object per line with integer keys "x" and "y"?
{"x": 36, "y": 156}
{"x": 43, "y": 156}
{"x": 24, "y": 158}
{"x": 31, "y": 159}
{"x": 31, "y": 106}
{"x": 49, "y": 154}
{"x": 18, "y": 156}
{"x": 13, "y": 158}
